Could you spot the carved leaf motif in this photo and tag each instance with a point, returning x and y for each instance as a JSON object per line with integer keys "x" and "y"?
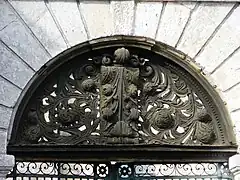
{"x": 205, "y": 133}
{"x": 88, "y": 85}
{"x": 107, "y": 89}
{"x": 160, "y": 118}
{"x": 108, "y": 74}
{"x": 32, "y": 116}
{"x": 134, "y": 114}
{"x": 119, "y": 99}
{"x": 203, "y": 116}
{"x": 132, "y": 90}
{"x": 107, "y": 113}
{"x": 131, "y": 75}
{"x": 32, "y": 133}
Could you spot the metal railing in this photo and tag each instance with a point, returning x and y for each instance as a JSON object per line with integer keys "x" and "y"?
{"x": 47, "y": 170}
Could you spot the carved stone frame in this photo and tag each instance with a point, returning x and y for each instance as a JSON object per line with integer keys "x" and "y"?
{"x": 127, "y": 152}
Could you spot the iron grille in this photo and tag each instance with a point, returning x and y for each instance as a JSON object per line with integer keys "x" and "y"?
{"x": 47, "y": 170}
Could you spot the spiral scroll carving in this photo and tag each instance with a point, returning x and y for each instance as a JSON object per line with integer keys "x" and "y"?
{"x": 119, "y": 98}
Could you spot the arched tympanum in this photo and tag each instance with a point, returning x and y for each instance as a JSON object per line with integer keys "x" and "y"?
{"x": 121, "y": 97}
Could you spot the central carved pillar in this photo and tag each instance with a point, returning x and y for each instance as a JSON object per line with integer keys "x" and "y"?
{"x": 118, "y": 98}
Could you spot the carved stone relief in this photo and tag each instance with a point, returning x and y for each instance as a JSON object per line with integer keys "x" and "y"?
{"x": 118, "y": 98}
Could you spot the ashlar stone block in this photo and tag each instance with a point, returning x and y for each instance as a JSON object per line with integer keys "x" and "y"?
{"x": 172, "y": 23}
{"x": 3, "y": 141}
{"x": 6, "y": 164}
{"x": 233, "y": 98}
{"x": 13, "y": 68}
{"x": 5, "y": 116}
{"x": 236, "y": 121}
{"x": 69, "y": 18}
{"x": 21, "y": 41}
{"x": 228, "y": 73}
{"x": 39, "y": 20}
{"x": 98, "y": 18}
{"x": 7, "y": 13}
{"x": 225, "y": 41}
{"x": 202, "y": 24}
{"x": 123, "y": 16}
{"x": 8, "y": 93}
{"x": 147, "y": 18}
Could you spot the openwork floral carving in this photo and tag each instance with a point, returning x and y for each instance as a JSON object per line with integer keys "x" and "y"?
{"x": 118, "y": 98}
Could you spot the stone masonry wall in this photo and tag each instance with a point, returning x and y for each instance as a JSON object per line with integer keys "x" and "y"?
{"x": 34, "y": 31}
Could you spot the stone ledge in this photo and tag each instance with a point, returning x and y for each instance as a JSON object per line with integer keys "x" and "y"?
{"x": 6, "y": 164}
{"x": 234, "y": 164}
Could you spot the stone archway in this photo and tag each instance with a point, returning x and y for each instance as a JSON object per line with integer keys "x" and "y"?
{"x": 25, "y": 59}
{"x": 98, "y": 98}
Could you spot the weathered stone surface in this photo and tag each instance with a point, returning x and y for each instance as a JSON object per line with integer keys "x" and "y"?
{"x": 202, "y": 24}
{"x": 147, "y": 18}
{"x": 18, "y": 38}
{"x": 234, "y": 166}
{"x": 123, "y": 15}
{"x": 21, "y": 41}
{"x": 5, "y": 115}
{"x": 41, "y": 23}
{"x": 8, "y": 93}
{"x": 98, "y": 18}
{"x": 236, "y": 121}
{"x": 204, "y": 21}
{"x": 233, "y": 98}
{"x": 13, "y": 68}
{"x": 229, "y": 73}
{"x": 6, "y": 164}
{"x": 189, "y": 4}
{"x": 3, "y": 141}
{"x": 69, "y": 18}
{"x": 223, "y": 43}
{"x": 214, "y": 84}
{"x": 172, "y": 23}
{"x": 7, "y": 13}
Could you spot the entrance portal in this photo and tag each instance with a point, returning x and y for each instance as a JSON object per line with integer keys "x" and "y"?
{"x": 121, "y": 108}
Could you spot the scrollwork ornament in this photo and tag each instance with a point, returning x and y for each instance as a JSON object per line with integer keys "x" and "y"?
{"x": 148, "y": 87}
{"x": 66, "y": 116}
{"x": 134, "y": 61}
{"x": 119, "y": 98}
{"x": 146, "y": 71}
{"x": 97, "y": 61}
{"x": 90, "y": 70}
{"x": 106, "y": 60}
